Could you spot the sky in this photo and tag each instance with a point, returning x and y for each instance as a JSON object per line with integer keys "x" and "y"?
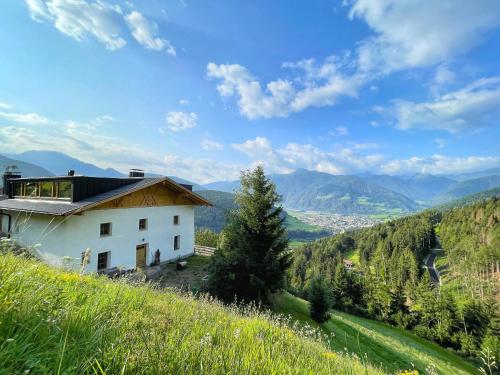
{"x": 203, "y": 89}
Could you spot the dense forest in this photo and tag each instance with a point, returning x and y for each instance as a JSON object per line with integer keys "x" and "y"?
{"x": 471, "y": 237}
{"x": 389, "y": 284}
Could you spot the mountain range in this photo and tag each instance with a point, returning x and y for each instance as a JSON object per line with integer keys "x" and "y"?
{"x": 27, "y": 169}
{"x": 303, "y": 189}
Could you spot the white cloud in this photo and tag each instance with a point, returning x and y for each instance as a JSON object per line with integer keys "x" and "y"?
{"x": 5, "y": 105}
{"x": 211, "y": 145}
{"x": 439, "y": 164}
{"x": 26, "y": 118}
{"x": 38, "y": 10}
{"x": 440, "y": 142}
{"x": 201, "y": 170}
{"x": 82, "y": 141}
{"x": 183, "y": 102}
{"x": 475, "y": 106}
{"x": 413, "y": 33}
{"x": 407, "y": 34}
{"x": 146, "y": 33}
{"x": 339, "y": 131}
{"x": 177, "y": 121}
{"x": 79, "y": 19}
{"x": 342, "y": 159}
{"x": 316, "y": 86}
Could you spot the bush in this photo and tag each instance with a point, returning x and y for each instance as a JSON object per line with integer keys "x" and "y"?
{"x": 206, "y": 237}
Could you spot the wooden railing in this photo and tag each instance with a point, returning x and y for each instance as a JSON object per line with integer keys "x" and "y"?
{"x": 204, "y": 250}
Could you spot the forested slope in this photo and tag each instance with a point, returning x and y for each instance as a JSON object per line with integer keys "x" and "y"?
{"x": 389, "y": 284}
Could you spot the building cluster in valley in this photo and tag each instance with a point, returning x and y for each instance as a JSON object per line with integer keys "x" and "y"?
{"x": 101, "y": 223}
{"x": 337, "y": 223}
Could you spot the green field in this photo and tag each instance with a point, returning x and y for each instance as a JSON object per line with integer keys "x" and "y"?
{"x": 353, "y": 256}
{"x": 300, "y": 232}
{"x": 380, "y": 344}
{"x": 56, "y": 322}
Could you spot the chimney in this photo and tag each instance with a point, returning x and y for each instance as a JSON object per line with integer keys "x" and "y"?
{"x": 136, "y": 173}
{"x": 7, "y": 175}
{"x": 71, "y": 172}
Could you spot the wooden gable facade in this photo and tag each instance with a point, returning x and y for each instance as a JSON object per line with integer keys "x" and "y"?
{"x": 161, "y": 194}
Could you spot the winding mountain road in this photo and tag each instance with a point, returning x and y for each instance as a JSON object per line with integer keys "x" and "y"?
{"x": 429, "y": 263}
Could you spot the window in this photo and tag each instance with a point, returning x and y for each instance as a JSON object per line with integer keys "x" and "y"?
{"x": 143, "y": 224}
{"x": 102, "y": 260}
{"x": 177, "y": 242}
{"x": 176, "y": 220}
{"x": 46, "y": 189}
{"x": 105, "y": 229}
{"x": 32, "y": 189}
{"x": 64, "y": 189}
{"x": 18, "y": 189}
{"x": 43, "y": 189}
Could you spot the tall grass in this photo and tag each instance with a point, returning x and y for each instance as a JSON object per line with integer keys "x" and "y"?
{"x": 56, "y": 322}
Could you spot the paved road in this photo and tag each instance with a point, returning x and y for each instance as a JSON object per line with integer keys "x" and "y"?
{"x": 429, "y": 264}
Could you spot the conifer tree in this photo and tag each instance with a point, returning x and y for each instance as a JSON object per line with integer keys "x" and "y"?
{"x": 319, "y": 301}
{"x": 252, "y": 257}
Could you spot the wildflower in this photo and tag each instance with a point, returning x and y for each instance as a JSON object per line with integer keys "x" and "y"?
{"x": 206, "y": 340}
{"x": 237, "y": 333}
{"x": 329, "y": 355}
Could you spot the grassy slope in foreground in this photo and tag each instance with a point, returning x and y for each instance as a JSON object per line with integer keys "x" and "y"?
{"x": 53, "y": 322}
{"x": 392, "y": 347}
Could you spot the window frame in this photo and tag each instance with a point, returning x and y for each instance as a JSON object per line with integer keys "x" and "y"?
{"x": 110, "y": 230}
{"x": 107, "y": 254}
{"x": 177, "y": 242}
{"x": 20, "y": 190}
{"x": 145, "y": 221}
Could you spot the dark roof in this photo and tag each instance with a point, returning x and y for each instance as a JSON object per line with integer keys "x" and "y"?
{"x": 62, "y": 208}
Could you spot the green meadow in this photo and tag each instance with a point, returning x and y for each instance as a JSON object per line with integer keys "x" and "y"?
{"x": 378, "y": 343}
{"x": 57, "y": 322}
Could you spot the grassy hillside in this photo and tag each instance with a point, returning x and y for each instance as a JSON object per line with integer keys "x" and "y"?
{"x": 379, "y": 343}
{"x": 54, "y": 322}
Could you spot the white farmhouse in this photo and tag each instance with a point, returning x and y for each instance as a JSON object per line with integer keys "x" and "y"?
{"x": 126, "y": 223}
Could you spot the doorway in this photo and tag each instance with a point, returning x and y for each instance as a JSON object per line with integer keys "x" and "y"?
{"x": 140, "y": 256}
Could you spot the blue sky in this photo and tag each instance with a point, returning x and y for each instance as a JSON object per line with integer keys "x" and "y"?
{"x": 203, "y": 89}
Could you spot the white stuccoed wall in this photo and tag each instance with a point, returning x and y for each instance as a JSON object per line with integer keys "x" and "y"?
{"x": 66, "y": 238}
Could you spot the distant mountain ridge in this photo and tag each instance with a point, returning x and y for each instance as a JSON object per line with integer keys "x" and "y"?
{"x": 419, "y": 187}
{"x": 27, "y": 169}
{"x": 349, "y": 194}
{"x": 59, "y": 164}
{"x": 469, "y": 187}
{"x": 309, "y": 190}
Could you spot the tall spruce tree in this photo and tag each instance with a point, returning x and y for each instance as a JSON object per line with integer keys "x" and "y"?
{"x": 252, "y": 257}
{"x": 319, "y": 301}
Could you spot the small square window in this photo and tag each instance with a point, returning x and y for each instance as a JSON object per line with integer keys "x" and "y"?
{"x": 143, "y": 224}
{"x": 177, "y": 242}
{"x": 176, "y": 220}
{"x": 105, "y": 229}
{"x": 103, "y": 260}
